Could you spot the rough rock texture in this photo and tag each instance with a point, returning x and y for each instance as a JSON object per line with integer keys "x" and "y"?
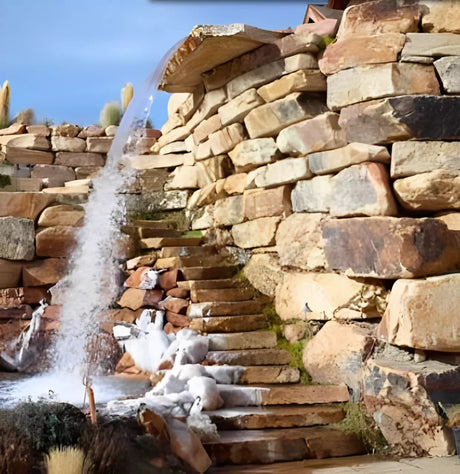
{"x": 55, "y": 241}
{"x": 264, "y": 272}
{"x": 381, "y": 80}
{"x": 62, "y": 214}
{"x": 250, "y": 154}
{"x": 257, "y": 233}
{"x": 431, "y": 44}
{"x": 226, "y": 139}
{"x": 269, "y": 203}
{"x": 400, "y": 118}
{"x": 17, "y": 238}
{"x": 44, "y": 272}
{"x": 421, "y": 314}
{"x": 229, "y": 211}
{"x": 442, "y": 17}
{"x": 26, "y": 205}
{"x": 299, "y": 241}
{"x": 10, "y": 273}
{"x": 236, "y": 109}
{"x": 413, "y": 157}
{"x": 448, "y": 69}
{"x": 434, "y": 191}
{"x": 336, "y": 354}
{"x": 390, "y": 247}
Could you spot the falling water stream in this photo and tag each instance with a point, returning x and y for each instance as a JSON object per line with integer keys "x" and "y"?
{"x": 91, "y": 285}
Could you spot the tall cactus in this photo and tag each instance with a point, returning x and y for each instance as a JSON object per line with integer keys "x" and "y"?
{"x": 110, "y": 114}
{"x": 127, "y": 93}
{"x": 5, "y": 93}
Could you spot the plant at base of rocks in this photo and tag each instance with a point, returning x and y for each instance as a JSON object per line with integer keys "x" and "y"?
{"x": 239, "y": 275}
{"x": 5, "y": 93}
{"x": 110, "y": 114}
{"x": 359, "y": 423}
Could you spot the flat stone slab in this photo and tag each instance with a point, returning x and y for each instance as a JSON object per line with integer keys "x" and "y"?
{"x": 211, "y": 284}
{"x": 249, "y": 357}
{"x": 221, "y": 294}
{"x": 256, "y": 418}
{"x": 159, "y": 242}
{"x": 208, "y": 273}
{"x": 247, "y": 322}
{"x": 208, "y": 46}
{"x": 223, "y": 308}
{"x": 185, "y": 251}
{"x": 263, "y": 339}
{"x": 270, "y": 374}
{"x": 26, "y": 205}
{"x": 431, "y": 44}
{"x": 193, "y": 261}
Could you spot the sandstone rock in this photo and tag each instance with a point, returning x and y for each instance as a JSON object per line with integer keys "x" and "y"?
{"x": 256, "y": 233}
{"x": 250, "y": 154}
{"x": 17, "y": 238}
{"x": 82, "y": 172}
{"x": 209, "y": 106}
{"x": 203, "y": 150}
{"x": 14, "y": 129}
{"x": 294, "y": 332}
{"x": 177, "y": 134}
{"x": 382, "y": 16}
{"x": 451, "y": 219}
{"x": 65, "y": 130}
{"x": 236, "y": 109}
{"x": 213, "y": 169}
{"x": 79, "y": 159}
{"x": 320, "y": 28}
{"x": 264, "y": 272}
{"x": 381, "y": 80}
{"x": 358, "y": 50}
{"x": 174, "y": 147}
{"x": 27, "y": 140}
{"x": 234, "y": 184}
{"x": 99, "y": 144}
{"x": 57, "y": 241}
{"x": 135, "y": 298}
{"x": 289, "y": 170}
{"x": 419, "y": 314}
{"x": 400, "y": 118}
{"x": 269, "y": 203}
{"x": 206, "y": 127}
{"x": 336, "y": 354}
{"x": 287, "y": 46}
{"x": 448, "y": 69}
{"x": 320, "y": 133}
{"x": 390, "y": 247}
{"x": 242, "y": 340}
{"x": 22, "y": 312}
{"x": 62, "y": 215}
{"x": 176, "y": 305}
{"x": 165, "y": 201}
{"x": 335, "y": 160}
{"x": 433, "y": 191}
{"x": 269, "y": 119}
{"x": 22, "y": 156}
{"x": 184, "y": 177}
{"x": 431, "y": 44}
{"x": 313, "y": 195}
{"x": 269, "y": 72}
{"x": 91, "y": 131}
{"x": 111, "y": 130}
{"x": 310, "y": 80}
{"x": 148, "y": 162}
{"x": 299, "y": 241}
{"x": 11, "y": 297}
{"x": 10, "y": 273}
{"x": 44, "y": 272}
{"x": 202, "y": 218}
{"x": 229, "y": 211}
{"x": 226, "y": 139}
{"x": 442, "y": 17}
{"x": 53, "y": 175}
{"x": 26, "y": 205}
{"x": 75, "y": 145}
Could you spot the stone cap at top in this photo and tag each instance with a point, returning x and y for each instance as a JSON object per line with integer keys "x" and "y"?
{"x": 206, "y": 47}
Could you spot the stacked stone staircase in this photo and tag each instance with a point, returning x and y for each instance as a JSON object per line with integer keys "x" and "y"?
{"x": 268, "y": 416}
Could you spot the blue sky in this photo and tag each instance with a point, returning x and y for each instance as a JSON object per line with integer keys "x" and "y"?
{"x": 65, "y": 59}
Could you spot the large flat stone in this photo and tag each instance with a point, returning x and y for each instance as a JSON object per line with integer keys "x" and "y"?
{"x": 17, "y": 241}
{"x": 313, "y": 195}
{"x": 257, "y": 233}
{"x": 413, "y": 157}
{"x": 99, "y": 144}
{"x": 401, "y": 118}
{"x": 62, "y": 214}
{"x": 44, "y": 272}
{"x": 390, "y": 247}
{"x": 358, "y": 50}
{"x": 53, "y": 175}
{"x": 213, "y": 169}
{"x": 420, "y": 314}
{"x": 79, "y": 159}
{"x": 206, "y": 47}
{"x": 245, "y": 322}
{"x": 226, "y": 139}
{"x": 206, "y": 127}
{"x": 277, "y": 374}
{"x": 448, "y": 69}
{"x": 23, "y": 156}
{"x": 223, "y": 308}
{"x": 249, "y": 154}
{"x": 431, "y": 44}
{"x": 229, "y": 211}
{"x": 382, "y": 16}
{"x": 433, "y": 191}
{"x": 236, "y": 109}
{"x": 71, "y": 144}
{"x": 299, "y": 241}
{"x": 263, "y": 339}
{"x": 26, "y": 140}
{"x": 249, "y": 357}
{"x": 441, "y": 17}
{"x": 320, "y": 133}
{"x": 26, "y": 205}
{"x": 269, "y": 119}
{"x": 364, "y": 83}
{"x": 147, "y": 162}
{"x": 269, "y": 72}
{"x": 57, "y": 241}
{"x": 268, "y": 203}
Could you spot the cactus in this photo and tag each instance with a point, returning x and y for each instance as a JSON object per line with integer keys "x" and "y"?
{"x": 126, "y": 96}
{"x": 26, "y": 116}
{"x": 4, "y": 104}
{"x": 110, "y": 114}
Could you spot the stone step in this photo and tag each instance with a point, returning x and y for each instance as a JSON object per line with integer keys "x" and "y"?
{"x": 246, "y": 322}
{"x": 153, "y": 224}
{"x": 188, "y": 251}
{"x": 281, "y": 444}
{"x": 256, "y": 418}
{"x": 263, "y": 339}
{"x": 159, "y": 242}
{"x": 272, "y": 374}
{"x": 289, "y": 394}
{"x": 208, "y": 273}
{"x": 212, "y": 284}
{"x": 222, "y": 294}
{"x": 224, "y": 308}
{"x": 249, "y": 357}
{"x": 147, "y": 232}
{"x": 193, "y": 261}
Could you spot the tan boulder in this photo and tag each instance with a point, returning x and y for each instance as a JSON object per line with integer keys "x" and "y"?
{"x": 249, "y": 154}
{"x": 99, "y": 144}
{"x": 434, "y": 191}
{"x": 65, "y": 130}
{"x": 441, "y": 17}
{"x": 420, "y": 314}
{"x": 236, "y": 109}
{"x": 451, "y": 219}
{"x": 57, "y": 241}
{"x": 135, "y": 298}
{"x": 299, "y": 241}
{"x": 26, "y": 140}
{"x": 264, "y": 272}
{"x": 91, "y": 131}
{"x": 268, "y": 203}
{"x": 148, "y": 162}
{"x": 62, "y": 214}
{"x": 26, "y": 205}
{"x": 23, "y": 156}
{"x": 226, "y": 139}
{"x": 53, "y": 175}
{"x": 229, "y": 211}
{"x": 206, "y": 127}
{"x": 14, "y": 129}
{"x": 44, "y": 272}
{"x": 183, "y": 177}
{"x": 79, "y": 159}
{"x": 10, "y": 273}
{"x": 320, "y": 133}
{"x": 235, "y": 183}
{"x": 257, "y": 233}
{"x": 70, "y": 144}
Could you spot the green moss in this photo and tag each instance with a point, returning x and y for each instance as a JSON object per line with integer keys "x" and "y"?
{"x": 325, "y": 41}
{"x": 5, "y": 180}
{"x": 239, "y": 275}
{"x": 358, "y": 422}
{"x": 178, "y": 218}
{"x": 193, "y": 233}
